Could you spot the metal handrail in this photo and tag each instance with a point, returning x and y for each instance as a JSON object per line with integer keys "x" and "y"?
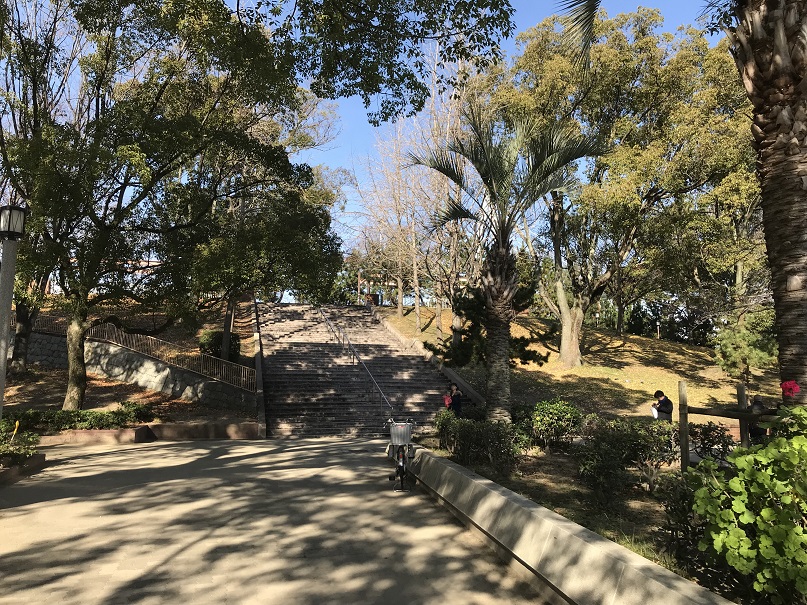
{"x": 343, "y": 339}
{"x": 231, "y": 373}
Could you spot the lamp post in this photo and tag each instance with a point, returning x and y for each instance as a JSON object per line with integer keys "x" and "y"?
{"x": 12, "y": 228}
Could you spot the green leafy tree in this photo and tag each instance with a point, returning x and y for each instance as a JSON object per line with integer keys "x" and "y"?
{"x": 668, "y": 116}
{"x": 769, "y": 54}
{"x": 159, "y": 89}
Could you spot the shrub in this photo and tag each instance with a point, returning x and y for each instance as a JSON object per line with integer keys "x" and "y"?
{"x": 756, "y": 515}
{"x": 791, "y": 422}
{"x": 442, "y": 425}
{"x": 210, "y": 343}
{"x": 15, "y": 452}
{"x": 683, "y": 530}
{"x": 54, "y": 421}
{"x": 657, "y": 447}
{"x": 471, "y": 442}
{"x": 555, "y": 421}
{"x": 711, "y": 440}
{"x": 741, "y": 529}
{"x": 137, "y": 412}
{"x": 611, "y": 447}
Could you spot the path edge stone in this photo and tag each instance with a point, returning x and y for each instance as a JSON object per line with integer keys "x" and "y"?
{"x": 576, "y": 565}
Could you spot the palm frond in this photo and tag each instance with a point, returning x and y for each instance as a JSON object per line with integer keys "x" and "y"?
{"x": 553, "y": 150}
{"x": 453, "y": 212}
{"x": 581, "y": 15}
{"x": 444, "y": 161}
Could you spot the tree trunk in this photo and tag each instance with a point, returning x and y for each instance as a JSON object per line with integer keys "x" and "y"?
{"x": 500, "y": 285}
{"x": 571, "y": 328}
{"x": 416, "y": 280}
{"x": 438, "y": 313}
{"x": 76, "y": 366}
{"x": 456, "y": 327}
{"x": 400, "y": 296}
{"x": 25, "y": 318}
{"x": 498, "y": 368}
{"x": 620, "y": 301}
{"x": 620, "y": 317}
{"x": 784, "y": 211}
{"x": 770, "y": 59}
{"x": 228, "y": 329}
{"x": 571, "y": 323}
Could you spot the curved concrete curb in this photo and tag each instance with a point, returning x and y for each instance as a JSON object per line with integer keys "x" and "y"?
{"x": 140, "y": 434}
{"x": 578, "y": 565}
{"x": 207, "y": 430}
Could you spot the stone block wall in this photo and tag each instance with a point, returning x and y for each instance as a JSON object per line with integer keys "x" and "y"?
{"x": 118, "y": 363}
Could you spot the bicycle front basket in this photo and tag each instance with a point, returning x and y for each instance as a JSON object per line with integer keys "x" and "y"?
{"x": 400, "y": 433}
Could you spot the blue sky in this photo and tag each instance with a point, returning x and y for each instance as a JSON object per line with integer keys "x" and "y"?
{"x": 357, "y": 138}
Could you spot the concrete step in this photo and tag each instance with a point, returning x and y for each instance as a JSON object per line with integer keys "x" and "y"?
{"x": 314, "y": 388}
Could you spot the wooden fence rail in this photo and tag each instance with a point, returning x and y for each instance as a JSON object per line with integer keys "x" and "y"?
{"x": 741, "y": 413}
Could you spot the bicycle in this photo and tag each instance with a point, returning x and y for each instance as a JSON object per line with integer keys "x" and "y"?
{"x": 401, "y": 442}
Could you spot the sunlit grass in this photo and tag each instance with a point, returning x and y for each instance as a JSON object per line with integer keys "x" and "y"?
{"x": 619, "y": 373}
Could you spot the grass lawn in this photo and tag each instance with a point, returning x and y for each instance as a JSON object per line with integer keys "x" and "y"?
{"x": 619, "y": 373}
{"x": 618, "y": 378}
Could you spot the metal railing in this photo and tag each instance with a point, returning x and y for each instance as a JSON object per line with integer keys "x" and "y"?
{"x": 186, "y": 358}
{"x": 343, "y": 339}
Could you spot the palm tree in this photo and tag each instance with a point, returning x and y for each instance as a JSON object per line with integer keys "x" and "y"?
{"x": 517, "y": 165}
{"x": 769, "y": 46}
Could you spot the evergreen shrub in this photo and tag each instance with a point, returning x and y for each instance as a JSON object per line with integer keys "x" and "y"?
{"x": 472, "y": 442}
{"x": 555, "y": 421}
{"x": 18, "y": 450}
{"x": 210, "y": 342}
{"x": 756, "y": 510}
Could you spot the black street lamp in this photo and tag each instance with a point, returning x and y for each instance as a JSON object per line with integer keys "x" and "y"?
{"x": 12, "y": 222}
{"x": 12, "y": 228}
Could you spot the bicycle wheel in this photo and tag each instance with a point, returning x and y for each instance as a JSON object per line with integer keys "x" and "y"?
{"x": 401, "y": 467}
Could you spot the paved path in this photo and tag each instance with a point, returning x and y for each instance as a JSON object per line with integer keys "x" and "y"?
{"x": 230, "y": 522}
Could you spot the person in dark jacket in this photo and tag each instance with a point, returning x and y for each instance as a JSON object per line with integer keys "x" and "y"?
{"x": 663, "y": 407}
{"x": 456, "y": 400}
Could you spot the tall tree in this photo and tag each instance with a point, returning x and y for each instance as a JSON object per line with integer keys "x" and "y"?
{"x": 160, "y": 86}
{"x": 665, "y": 110}
{"x": 517, "y": 165}
{"x": 769, "y": 48}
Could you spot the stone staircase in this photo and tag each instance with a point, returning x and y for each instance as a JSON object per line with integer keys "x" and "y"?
{"x": 314, "y": 387}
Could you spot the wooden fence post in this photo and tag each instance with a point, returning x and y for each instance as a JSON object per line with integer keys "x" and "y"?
{"x": 742, "y": 400}
{"x": 683, "y": 424}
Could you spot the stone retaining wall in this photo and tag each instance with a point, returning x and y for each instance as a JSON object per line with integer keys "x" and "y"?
{"x": 122, "y": 364}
